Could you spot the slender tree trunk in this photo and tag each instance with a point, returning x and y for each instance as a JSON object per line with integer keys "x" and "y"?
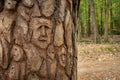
{"x": 111, "y": 17}
{"x": 101, "y": 27}
{"x": 106, "y": 20}
{"x": 102, "y": 19}
{"x": 79, "y": 26}
{"x": 94, "y": 23}
{"x": 119, "y": 16}
{"x": 82, "y": 30}
{"x": 89, "y": 26}
{"x": 38, "y": 40}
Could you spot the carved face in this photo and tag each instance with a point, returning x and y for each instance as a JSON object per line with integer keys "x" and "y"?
{"x": 13, "y": 72}
{"x": 62, "y": 56}
{"x": 51, "y": 52}
{"x": 17, "y": 53}
{"x": 10, "y": 4}
{"x": 42, "y": 31}
{"x": 28, "y": 3}
{"x": 33, "y": 76}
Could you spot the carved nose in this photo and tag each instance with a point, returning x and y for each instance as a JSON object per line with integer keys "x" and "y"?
{"x": 43, "y": 31}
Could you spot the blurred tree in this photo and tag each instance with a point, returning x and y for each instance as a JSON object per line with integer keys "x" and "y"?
{"x": 94, "y": 23}
{"x": 106, "y": 20}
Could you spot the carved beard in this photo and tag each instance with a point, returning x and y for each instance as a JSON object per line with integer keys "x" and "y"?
{"x": 42, "y": 42}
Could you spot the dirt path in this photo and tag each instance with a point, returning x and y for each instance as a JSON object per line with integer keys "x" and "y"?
{"x": 98, "y": 65}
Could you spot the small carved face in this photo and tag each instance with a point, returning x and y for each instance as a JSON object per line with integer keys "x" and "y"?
{"x": 51, "y": 52}
{"x": 32, "y": 76}
{"x": 42, "y": 32}
{"x": 62, "y": 56}
{"x": 17, "y": 53}
{"x": 10, "y": 4}
{"x": 28, "y": 3}
{"x": 13, "y": 72}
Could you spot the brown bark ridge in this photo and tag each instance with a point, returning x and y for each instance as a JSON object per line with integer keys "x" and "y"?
{"x": 37, "y": 39}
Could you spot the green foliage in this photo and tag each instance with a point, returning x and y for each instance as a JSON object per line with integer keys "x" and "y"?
{"x": 115, "y": 31}
{"x": 100, "y": 11}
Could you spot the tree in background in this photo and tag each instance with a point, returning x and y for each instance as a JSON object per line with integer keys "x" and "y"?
{"x": 94, "y": 23}
{"x": 106, "y": 20}
{"x": 107, "y": 15}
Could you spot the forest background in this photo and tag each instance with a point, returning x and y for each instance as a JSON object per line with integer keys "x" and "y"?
{"x": 99, "y": 21}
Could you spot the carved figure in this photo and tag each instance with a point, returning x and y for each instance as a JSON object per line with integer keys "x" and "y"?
{"x": 42, "y": 32}
{"x": 62, "y": 56}
{"x": 28, "y": 3}
{"x": 14, "y": 72}
{"x": 51, "y": 62}
{"x": 33, "y": 76}
{"x": 17, "y": 68}
{"x": 7, "y": 20}
{"x": 10, "y": 4}
{"x": 47, "y": 7}
{"x": 2, "y": 75}
{"x": 17, "y": 53}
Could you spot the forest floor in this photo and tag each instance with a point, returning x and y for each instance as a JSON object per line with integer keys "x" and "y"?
{"x": 98, "y": 61}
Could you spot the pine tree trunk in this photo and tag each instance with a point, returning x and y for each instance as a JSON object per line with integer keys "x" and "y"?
{"x": 111, "y": 16}
{"x": 89, "y": 25}
{"x": 106, "y": 20}
{"x": 37, "y": 39}
{"x": 94, "y": 23}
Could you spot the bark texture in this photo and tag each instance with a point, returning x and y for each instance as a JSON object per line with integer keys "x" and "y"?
{"x": 37, "y": 39}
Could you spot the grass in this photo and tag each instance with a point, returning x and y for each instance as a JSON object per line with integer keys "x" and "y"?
{"x": 98, "y": 48}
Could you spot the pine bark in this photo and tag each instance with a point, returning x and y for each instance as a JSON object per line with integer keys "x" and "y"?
{"x": 38, "y": 39}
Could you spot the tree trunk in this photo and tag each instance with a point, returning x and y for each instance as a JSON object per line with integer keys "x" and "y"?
{"x": 106, "y": 20}
{"x": 111, "y": 16}
{"x": 89, "y": 26}
{"x": 82, "y": 30}
{"x": 94, "y": 24}
{"x": 37, "y": 39}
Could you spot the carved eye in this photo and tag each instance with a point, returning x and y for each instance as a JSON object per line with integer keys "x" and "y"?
{"x": 15, "y": 49}
{"x": 39, "y": 28}
{"x": 46, "y": 27}
{"x": 9, "y": 3}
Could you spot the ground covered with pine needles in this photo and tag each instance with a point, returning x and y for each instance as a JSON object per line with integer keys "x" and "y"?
{"x": 98, "y": 61}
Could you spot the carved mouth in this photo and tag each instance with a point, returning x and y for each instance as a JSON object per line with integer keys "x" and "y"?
{"x": 43, "y": 39}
